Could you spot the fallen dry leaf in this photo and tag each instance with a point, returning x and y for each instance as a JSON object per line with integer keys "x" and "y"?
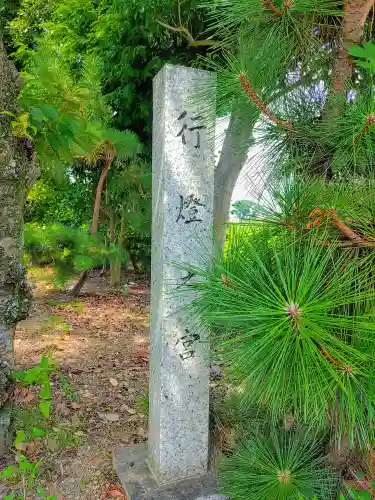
{"x": 23, "y": 395}
{"x": 62, "y": 408}
{"x": 111, "y": 417}
{"x": 113, "y": 382}
{"x": 27, "y": 448}
{"x": 115, "y": 491}
{"x": 130, "y": 410}
{"x": 75, "y": 406}
{"x": 133, "y": 418}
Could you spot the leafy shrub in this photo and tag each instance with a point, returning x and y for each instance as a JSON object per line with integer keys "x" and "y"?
{"x": 68, "y": 250}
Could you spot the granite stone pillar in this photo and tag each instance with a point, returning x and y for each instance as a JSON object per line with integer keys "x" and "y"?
{"x": 182, "y": 198}
{"x": 174, "y": 464}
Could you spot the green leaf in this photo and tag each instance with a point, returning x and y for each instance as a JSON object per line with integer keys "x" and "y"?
{"x": 365, "y": 64}
{"x": 18, "y": 375}
{"x": 50, "y": 112}
{"x": 353, "y": 493}
{"x": 24, "y": 464}
{"x": 360, "y": 475}
{"x": 20, "y": 438}
{"x": 36, "y": 432}
{"x": 7, "y": 472}
{"x": 364, "y": 495}
{"x": 37, "y": 114}
{"x": 44, "y": 363}
{"x": 369, "y": 49}
{"x": 372, "y": 484}
{"x": 7, "y": 113}
{"x": 45, "y": 408}
{"x": 45, "y": 393}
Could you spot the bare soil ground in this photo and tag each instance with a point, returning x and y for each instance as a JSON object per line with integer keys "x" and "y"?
{"x": 100, "y": 341}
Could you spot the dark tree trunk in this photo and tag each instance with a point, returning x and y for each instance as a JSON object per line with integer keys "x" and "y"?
{"x": 116, "y": 266}
{"x": 15, "y": 174}
{"x": 133, "y": 259}
{"x": 98, "y": 196}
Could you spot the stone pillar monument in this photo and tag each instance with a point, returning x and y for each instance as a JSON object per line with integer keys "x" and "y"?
{"x": 182, "y": 203}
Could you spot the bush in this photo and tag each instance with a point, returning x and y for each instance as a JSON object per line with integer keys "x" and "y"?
{"x": 68, "y": 250}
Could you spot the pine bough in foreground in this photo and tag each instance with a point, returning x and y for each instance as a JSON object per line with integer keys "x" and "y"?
{"x": 279, "y": 467}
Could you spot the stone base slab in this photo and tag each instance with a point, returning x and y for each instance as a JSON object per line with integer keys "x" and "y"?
{"x": 131, "y": 467}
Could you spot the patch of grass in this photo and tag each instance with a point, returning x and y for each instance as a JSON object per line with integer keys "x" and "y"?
{"x": 39, "y": 434}
{"x": 63, "y": 437}
{"x": 53, "y": 434}
{"x": 40, "y": 273}
{"x": 142, "y": 403}
{"x": 56, "y": 324}
{"x": 67, "y": 388}
{"x": 72, "y": 305}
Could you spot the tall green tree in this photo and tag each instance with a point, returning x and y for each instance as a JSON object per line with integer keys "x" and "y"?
{"x": 112, "y": 145}
{"x": 126, "y": 38}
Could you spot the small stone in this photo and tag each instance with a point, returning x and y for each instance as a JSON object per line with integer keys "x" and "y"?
{"x": 111, "y": 417}
{"x": 141, "y": 432}
{"x": 215, "y": 373}
{"x": 113, "y": 382}
{"x": 127, "y": 408}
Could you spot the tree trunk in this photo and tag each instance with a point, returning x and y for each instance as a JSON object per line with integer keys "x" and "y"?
{"x": 15, "y": 169}
{"x": 352, "y": 30}
{"x": 95, "y": 222}
{"x": 112, "y": 239}
{"x": 355, "y": 15}
{"x": 237, "y": 142}
{"x": 116, "y": 266}
{"x": 98, "y": 196}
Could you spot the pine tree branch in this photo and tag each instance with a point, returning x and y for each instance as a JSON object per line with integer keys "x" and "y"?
{"x": 348, "y": 244}
{"x": 279, "y": 13}
{"x": 369, "y": 121}
{"x": 355, "y": 15}
{"x": 249, "y": 90}
{"x": 285, "y": 224}
{"x": 330, "y": 214}
{"x": 207, "y": 42}
{"x": 346, "y": 230}
{"x": 330, "y": 359}
{"x": 272, "y": 7}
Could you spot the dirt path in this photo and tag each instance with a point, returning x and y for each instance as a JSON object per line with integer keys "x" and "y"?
{"x": 100, "y": 341}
